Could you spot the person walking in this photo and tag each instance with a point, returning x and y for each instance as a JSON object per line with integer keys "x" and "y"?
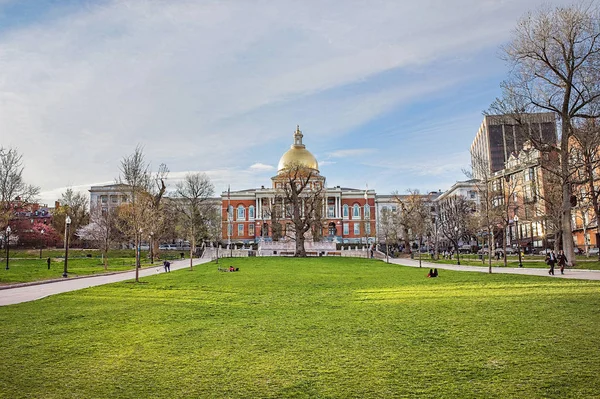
{"x": 551, "y": 261}
{"x": 167, "y": 266}
{"x": 562, "y": 261}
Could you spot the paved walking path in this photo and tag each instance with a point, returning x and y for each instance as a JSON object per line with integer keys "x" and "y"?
{"x": 28, "y": 293}
{"x": 580, "y": 274}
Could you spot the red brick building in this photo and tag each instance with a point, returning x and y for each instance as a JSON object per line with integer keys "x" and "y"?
{"x": 349, "y": 214}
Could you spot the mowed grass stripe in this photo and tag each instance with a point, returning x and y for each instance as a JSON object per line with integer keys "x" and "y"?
{"x": 337, "y": 328}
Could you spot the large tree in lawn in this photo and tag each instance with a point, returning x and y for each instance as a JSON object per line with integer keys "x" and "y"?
{"x": 302, "y": 191}
{"x": 555, "y": 59}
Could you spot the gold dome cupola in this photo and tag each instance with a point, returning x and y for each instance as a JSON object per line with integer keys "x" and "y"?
{"x": 298, "y": 154}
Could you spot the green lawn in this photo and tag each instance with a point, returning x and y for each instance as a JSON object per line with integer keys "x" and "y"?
{"x": 26, "y": 266}
{"x": 300, "y": 328}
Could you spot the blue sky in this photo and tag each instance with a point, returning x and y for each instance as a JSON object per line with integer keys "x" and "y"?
{"x": 388, "y": 94}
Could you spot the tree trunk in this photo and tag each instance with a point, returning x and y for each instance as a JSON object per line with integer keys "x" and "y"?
{"x": 300, "y": 250}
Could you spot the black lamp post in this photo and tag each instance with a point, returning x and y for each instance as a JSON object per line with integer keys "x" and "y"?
{"x": 41, "y": 241}
{"x": 67, "y": 229}
{"x": 7, "y": 240}
{"x": 366, "y": 221}
{"x": 152, "y": 247}
{"x": 516, "y": 219}
{"x": 139, "y": 250}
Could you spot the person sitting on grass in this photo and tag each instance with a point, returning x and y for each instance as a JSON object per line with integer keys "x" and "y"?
{"x": 435, "y": 273}
{"x": 430, "y": 274}
{"x": 231, "y": 269}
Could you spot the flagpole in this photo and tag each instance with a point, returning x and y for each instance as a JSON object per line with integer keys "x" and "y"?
{"x": 229, "y": 219}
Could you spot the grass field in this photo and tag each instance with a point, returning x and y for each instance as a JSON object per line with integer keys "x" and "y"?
{"x": 307, "y": 328}
{"x": 26, "y": 266}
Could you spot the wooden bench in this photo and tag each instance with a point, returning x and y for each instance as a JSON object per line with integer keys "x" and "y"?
{"x": 336, "y": 253}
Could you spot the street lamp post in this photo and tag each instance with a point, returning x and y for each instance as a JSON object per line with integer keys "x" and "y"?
{"x": 457, "y": 249}
{"x": 41, "y": 241}
{"x": 516, "y": 219}
{"x": 7, "y": 241}
{"x": 152, "y": 247}
{"x": 139, "y": 249}
{"x": 67, "y": 229}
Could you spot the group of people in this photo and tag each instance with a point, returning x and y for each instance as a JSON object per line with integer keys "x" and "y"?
{"x": 552, "y": 259}
{"x": 432, "y": 273}
{"x": 234, "y": 269}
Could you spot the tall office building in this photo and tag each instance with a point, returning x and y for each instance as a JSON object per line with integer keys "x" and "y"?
{"x": 499, "y": 136}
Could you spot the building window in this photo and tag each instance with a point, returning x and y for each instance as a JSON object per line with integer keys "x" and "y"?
{"x": 346, "y": 229}
{"x": 367, "y": 211}
{"x": 368, "y": 228}
{"x": 241, "y": 213}
{"x": 251, "y": 229}
{"x": 240, "y": 230}
{"x": 356, "y": 229}
{"x": 356, "y": 212}
{"x": 114, "y": 199}
{"x": 230, "y": 212}
{"x": 104, "y": 199}
{"x": 251, "y": 212}
{"x": 345, "y": 211}
{"x": 229, "y": 230}
{"x": 331, "y": 211}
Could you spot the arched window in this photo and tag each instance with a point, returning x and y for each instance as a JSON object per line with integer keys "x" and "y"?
{"x": 356, "y": 212}
{"x": 241, "y": 213}
{"x": 367, "y": 211}
{"x": 251, "y": 212}
{"x": 346, "y": 211}
{"x": 230, "y": 212}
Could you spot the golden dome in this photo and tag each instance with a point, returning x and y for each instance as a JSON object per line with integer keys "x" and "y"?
{"x": 298, "y": 154}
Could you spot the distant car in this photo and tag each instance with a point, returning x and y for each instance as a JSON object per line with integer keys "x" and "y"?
{"x": 465, "y": 249}
{"x": 511, "y": 251}
{"x": 545, "y": 251}
{"x": 593, "y": 251}
{"x": 578, "y": 251}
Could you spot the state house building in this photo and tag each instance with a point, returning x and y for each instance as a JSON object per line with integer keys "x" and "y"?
{"x": 349, "y": 214}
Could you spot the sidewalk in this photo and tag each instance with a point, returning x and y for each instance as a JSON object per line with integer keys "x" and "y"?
{"x": 28, "y": 293}
{"x": 580, "y": 274}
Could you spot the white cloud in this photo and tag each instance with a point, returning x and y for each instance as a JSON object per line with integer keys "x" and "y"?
{"x": 351, "y": 152}
{"x": 261, "y": 167}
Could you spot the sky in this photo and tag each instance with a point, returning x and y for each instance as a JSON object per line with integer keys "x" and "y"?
{"x": 388, "y": 94}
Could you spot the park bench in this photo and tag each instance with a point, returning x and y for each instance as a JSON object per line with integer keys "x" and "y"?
{"x": 336, "y": 253}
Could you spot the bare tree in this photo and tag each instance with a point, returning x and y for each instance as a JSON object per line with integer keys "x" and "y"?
{"x": 388, "y": 228}
{"x": 145, "y": 193}
{"x": 302, "y": 191}
{"x": 12, "y": 186}
{"x": 555, "y": 59}
{"x": 489, "y": 210}
{"x": 193, "y": 192}
{"x": 455, "y": 213}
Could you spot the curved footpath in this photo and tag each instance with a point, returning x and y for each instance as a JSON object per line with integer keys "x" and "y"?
{"x": 42, "y": 289}
{"x": 580, "y": 274}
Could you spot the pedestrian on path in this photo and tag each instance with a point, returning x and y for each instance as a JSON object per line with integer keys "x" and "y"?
{"x": 48, "y": 262}
{"x": 551, "y": 261}
{"x": 562, "y": 261}
{"x": 167, "y": 265}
